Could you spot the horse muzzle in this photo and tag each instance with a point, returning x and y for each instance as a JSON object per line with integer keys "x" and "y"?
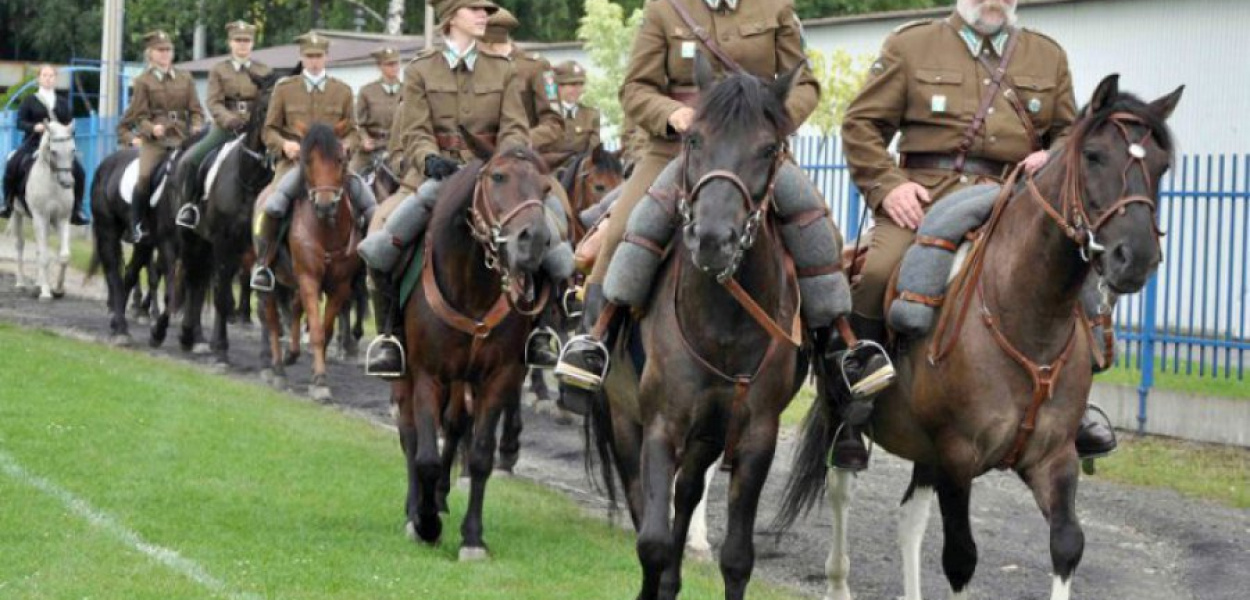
{"x": 524, "y": 249}
{"x": 713, "y": 249}
{"x": 1127, "y": 264}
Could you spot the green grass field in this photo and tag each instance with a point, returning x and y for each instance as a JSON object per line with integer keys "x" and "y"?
{"x": 1218, "y": 473}
{"x": 241, "y": 491}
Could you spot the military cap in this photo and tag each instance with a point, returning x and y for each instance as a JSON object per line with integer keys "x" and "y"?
{"x": 569, "y": 72}
{"x": 312, "y": 43}
{"x": 444, "y": 9}
{"x": 499, "y": 27}
{"x": 240, "y": 29}
{"x": 385, "y": 54}
{"x": 157, "y": 39}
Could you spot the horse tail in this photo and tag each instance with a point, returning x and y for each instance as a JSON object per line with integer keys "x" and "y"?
{"x": 599, "y": 445}
{"x": 97, "y": 191}
{"x": 809, "y": 468}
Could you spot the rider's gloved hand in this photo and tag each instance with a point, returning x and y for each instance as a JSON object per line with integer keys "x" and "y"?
{"x": 437, "y": 167}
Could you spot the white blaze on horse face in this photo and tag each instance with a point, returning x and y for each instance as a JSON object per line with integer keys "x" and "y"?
{"x": 1061, "y": 589}
{"x": 913, "y": 518}
{"x": 841, "y": 490}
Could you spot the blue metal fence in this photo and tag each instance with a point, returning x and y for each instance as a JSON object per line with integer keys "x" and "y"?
{"x": 1192, "y": 316}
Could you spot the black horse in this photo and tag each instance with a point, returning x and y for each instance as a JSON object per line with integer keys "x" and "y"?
{"x": 215, "y": 251}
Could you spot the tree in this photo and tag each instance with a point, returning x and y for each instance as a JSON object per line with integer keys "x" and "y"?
{"x": 841, "y": 75}
{"x": 608, "y": 38}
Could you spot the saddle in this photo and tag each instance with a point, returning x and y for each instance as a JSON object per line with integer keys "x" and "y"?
{"x": 156, "y": 184}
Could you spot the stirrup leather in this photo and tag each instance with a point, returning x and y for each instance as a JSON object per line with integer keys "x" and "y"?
{"x": 188, "y": 216}
{"x": 872, "y": 383}
{"x": 377, "y": 343}
{"x": 259, "y": 270}
{"x": 579, "y": 377}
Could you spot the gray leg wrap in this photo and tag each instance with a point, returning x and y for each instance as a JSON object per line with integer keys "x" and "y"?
{"x": 558, "y": 261}
{"x": 363, "y": 201}
{"x": 291, "y": 186}
{"x": 556, "y": 216}
{"x": 382, "y": 248}
{"x": 633, "y": 267}
{"x": 926, "y": 269}
{"x": 812, "y": 239}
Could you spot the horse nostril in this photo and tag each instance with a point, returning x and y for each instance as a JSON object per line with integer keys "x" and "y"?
{"x": 1121, "y": 254}
{"x": 524, "y": 236}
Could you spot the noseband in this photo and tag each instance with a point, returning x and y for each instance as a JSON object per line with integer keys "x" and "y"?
{"x": 756, "y": 211}
{"x": 1075, "y": 220}
{"x": 487, "y": 229}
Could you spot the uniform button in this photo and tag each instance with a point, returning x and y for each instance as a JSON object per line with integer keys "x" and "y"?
{"x": 963, "y": 179}
{"x": 938, "y": 78}
{"x": 991, "y": 110}
{"x": 993, "y": 139}
{"x": 986, "y": 81}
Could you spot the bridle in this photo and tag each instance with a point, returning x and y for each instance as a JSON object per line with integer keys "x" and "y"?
{"x": 63, "y": 174}
{"x": 488, "y": 230}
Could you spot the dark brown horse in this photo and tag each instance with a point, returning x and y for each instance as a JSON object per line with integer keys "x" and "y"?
{"x": 720, "y": 338}
{"x": 1006, "y": 386}
{"x": 322, "y": 255}
{"x": 488, "y": 233}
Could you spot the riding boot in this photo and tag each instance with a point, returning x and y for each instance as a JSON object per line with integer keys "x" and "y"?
{"x": 542, "y": 348}
{"x": 866, "y": 371}
{"x": 385, "y": 356}
{"x": 1095, "y": 438}
{"x": 266, "y": 248}
{"x": 79, "y": 215}
{"x": 583, "y": 363}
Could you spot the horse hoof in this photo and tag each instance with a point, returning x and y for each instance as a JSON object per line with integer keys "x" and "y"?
{"x": 507, "y": 461}
{"x": 201, "y": 349}
{"x": 471, "y": 554}
{"x": 320, "y": 393}
{"x": 701, "y": 554}
{"x": 120, "y": 340}
{"x": 290, "y": 358}
{"x": 435, "y": 536}
{"x": 58, "y": 294}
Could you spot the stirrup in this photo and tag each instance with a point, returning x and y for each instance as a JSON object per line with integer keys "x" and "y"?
{"x": 378, "y": 342}
{"x": 188, "y": 216}
{"x": 259, "y": 270}
{"x": 1106, "y": 420}
{"x": 579, "y": 377}
{"x": 872, "y": 383}
{"x": 571, "y": 299}
{"x": 554, "y": 343}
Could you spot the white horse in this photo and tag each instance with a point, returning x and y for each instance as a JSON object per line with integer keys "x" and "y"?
{"x": 50, "y": 198}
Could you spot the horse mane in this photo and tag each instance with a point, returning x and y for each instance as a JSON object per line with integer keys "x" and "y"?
{"x": 1126, "y": 102}
{"x": 741, "y": 103}
{"x": 608, "y": 161}
{"x": 320, "y": 139}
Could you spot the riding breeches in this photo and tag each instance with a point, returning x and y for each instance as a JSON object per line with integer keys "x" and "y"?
{"x": 215, "y": 138}
{"x": 150, "y": 155}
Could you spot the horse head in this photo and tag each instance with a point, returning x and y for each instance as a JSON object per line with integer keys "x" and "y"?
{"x": 600, "y": 173}
{"x": 730, "y": 158}
{"x": 507, "y": 213}
{"x": 1121, "y": 148}
{"x": 58, "y": 147}
{"x": 324, "y": 162}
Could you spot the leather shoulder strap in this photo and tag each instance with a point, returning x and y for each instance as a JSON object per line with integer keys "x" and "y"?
{"x": 996, "y": 81}
{"x": 707, "y": 41}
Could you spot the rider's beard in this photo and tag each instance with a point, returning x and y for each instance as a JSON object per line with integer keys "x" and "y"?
{"x": 988, "y": 17}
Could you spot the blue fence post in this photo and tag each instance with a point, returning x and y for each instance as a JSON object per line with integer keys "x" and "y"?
{"x": 1147, "y": 361}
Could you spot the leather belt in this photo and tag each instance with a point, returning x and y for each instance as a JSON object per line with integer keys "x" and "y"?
{"x": 948, "y": 162}
{"x": 176, "y": 116}
{"x": 685, "y": 94}
{"x": 453, "y": 141}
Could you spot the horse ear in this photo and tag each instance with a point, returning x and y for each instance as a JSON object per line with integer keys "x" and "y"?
{"x": 596, "y": 154}
{"x": 785, "y": 82}
{"x": 704, "y": 76}
{"x": 1106, "y": 93}
{"x": 298, "y": 69}
{"x": 1166, "y": 105}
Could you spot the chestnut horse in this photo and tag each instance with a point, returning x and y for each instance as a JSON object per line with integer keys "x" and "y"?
{"x": 322, "y": 256}
{"x": 465, "y": 327}
{"x": 1007, "y": 386}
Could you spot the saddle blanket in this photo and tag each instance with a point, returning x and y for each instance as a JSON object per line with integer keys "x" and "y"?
{"x": 131, "y": 176}
{"x": 217, "y": 160}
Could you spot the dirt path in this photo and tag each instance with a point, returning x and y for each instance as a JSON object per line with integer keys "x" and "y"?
{"x": 1142, "y": 543}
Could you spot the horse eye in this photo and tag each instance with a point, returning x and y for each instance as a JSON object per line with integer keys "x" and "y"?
{"x": 695, "y": 142}
{"x": 498, "y": 177}
{"x": 771, "y": 150}
{"x": 1092, "y": 156}
{"x": 600, "y": 188}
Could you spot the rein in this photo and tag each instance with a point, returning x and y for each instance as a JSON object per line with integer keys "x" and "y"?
{"x": 1074, "y": 221}
{"x": 487, "y": 229}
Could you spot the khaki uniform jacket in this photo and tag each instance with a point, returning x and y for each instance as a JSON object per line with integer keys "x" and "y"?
{"x": 293, "y": 109}
{"x": 927, "y": 86}
{"x": 375, "y": 111}
{"x": 538, "y": 96}
{"x": 170, "y": 101}
{"x": 437, "y": 102}
{"x": 228, "y": 87}
{"x": 763, "y": 36}
{"x": 581, "y": 133}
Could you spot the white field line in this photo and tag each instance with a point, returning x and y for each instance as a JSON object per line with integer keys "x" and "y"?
{"x": 165, "y": 556}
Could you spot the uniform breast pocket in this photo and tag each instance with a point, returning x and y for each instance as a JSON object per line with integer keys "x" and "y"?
{"x": 487, "y": 99}
{"x": 442, "y": 99}
{"x": 1037, "y": 95}
{"x": 158, "y": 101}
{"x": 682, "y": 48}
{"x": 936, "y": 93}
{"x": 756, "y": 47}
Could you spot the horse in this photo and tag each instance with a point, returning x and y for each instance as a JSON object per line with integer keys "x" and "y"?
{"x": 1007, "y": 389}
{"x": 321, "y": 246}
{"x": 715, "y": 357}
{"x": 214, "y": 252}
{"x": 49, "y": 196}
{"x": 111, "y": 190}
{"x": 465, "y": 326}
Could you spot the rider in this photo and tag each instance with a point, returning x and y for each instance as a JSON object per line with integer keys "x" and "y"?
{"x": 659, "y": 95}
{"x": 538, "y": 81}
{"x": 298, "y": 102}
{"x": 930, "y": 86}
{"x": 581, "y": 122}
{"x": 376, "y": 105}
{"x": 232, "y": 94}
{"x": 37, "y": 108}
{"x": 164, "y": 110}
{"x": 448, "y": 92}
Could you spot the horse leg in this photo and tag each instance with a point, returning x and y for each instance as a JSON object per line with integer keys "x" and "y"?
{"x": 42, "y": 258}
{"x": 335, "y": 301}
{"x": 959, "y": 550}
{"x": 196, "y": 274}
{"x": 297, "y": 334}
{"x": 538, "y": 385}
{"x": 840, "y": 489}
{"x": 223, "y": 304}
{"x": 110, "y": 255}
{"x": 273, "y": 324}
{"x": 912, "y": 520}
{"x": 456, "y": 423}
{"x": 424, "y": 462}
{"x": 697, "y": 546}
{"x": 139, "y": 256}
{"x": 627, "y": 452}
{"x": 62, "y": 260}
{"x": 490, "y": 398}
{"x": 754, "y": 458}
{"x": 1054, "y": 487}
{"x": 510, "y": 437}
{"x": 688, "y": 492}
{"x": 19, "y": 243}
{"x": 655, "y": 539}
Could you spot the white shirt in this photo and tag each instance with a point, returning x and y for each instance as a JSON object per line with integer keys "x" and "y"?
{"x": 48, "y": 97}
